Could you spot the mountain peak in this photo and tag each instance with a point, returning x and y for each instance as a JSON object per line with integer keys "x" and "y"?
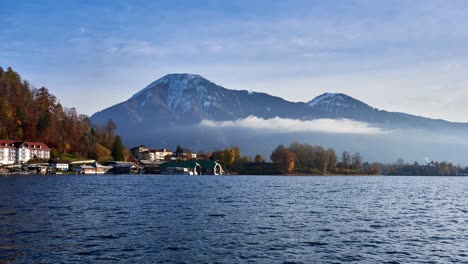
{"x": 181, "y": 93}
{"x": 337, "y": 99}
{"x": 178, "y": 76}
{"x": 327, "y": 98}
{"x": 336, "y": 103}
{"x": 178, "y": 81}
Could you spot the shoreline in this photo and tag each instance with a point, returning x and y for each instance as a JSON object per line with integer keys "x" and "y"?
{"x": 229, "y": 175}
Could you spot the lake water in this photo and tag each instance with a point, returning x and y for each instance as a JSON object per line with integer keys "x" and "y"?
{"x": 233, "y": 219}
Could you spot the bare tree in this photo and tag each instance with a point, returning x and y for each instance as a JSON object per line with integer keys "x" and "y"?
{"x": 356, "y": 160}
{"x": 332, "y": 159}
{"x": 346, "y": 158}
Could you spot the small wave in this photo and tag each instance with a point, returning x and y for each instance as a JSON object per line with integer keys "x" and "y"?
{"x": 265, "y": 228}
{"x": 109, "y": 237}
{"x": 397, "y": 253}
{"x": 275, "y": 216}
{"x": 314, "y": 243}
{"x": 217, "y": 215}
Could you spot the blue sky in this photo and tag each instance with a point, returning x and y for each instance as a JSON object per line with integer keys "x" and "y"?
{"x": 408, "y": 56}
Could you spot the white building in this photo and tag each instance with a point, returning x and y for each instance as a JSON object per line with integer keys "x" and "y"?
{"x": 94, "y": 168}
{"x": 143, "y": 153}
{"x": 161, "y": 154}
{"x": 60, "y": 165}
{"x": 140, "y": 152}
{"x": 17, "y": 152}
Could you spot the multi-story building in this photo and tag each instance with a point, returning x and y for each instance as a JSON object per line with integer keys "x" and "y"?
{"x": 17, "y": 152}
{"x": 137, "y": 152}
{"x": 161, "y": 154}
{"x": 144, "y": 153}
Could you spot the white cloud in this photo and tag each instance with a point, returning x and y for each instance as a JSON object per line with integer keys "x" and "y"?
{"x": 285, "y": 125}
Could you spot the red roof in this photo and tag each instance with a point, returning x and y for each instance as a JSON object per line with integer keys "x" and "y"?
{"x": 7, "y": 143}
{"x": 17, "y": 144}
{"x": 39, "y": 145}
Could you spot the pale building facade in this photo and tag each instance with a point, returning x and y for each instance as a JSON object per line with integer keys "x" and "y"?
{"x": 161, "y": 154}
{"x": 144, "y": 153}
{"x": 17, "y": 152}
{"x": 60, "y": 165}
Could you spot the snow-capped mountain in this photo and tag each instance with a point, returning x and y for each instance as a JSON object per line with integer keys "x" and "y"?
{"x": 337, "y": 103}
{"x": 169, "y": 111}
{"x": 182, "y": 99}
{"x": 189, "y": 98}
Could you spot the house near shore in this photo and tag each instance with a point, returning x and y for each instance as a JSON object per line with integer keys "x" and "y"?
{"x": 210, "y": 167}
{"x": 191, "y": 167}
{"x": 143, "y": 153}
{"x": 93, "y": 168}
{"x": 161, "y": 154}
{"x": 18, "y": 152}
{"x": 40, "y": 168}
{"x": 184, "y": 154}
{"x": 137, "y": 150}
{"x": 120, "y": 167}
{"x": 60, "y": 165}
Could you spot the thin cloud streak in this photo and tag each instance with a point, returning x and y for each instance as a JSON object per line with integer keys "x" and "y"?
{"x": 286, "y": 125}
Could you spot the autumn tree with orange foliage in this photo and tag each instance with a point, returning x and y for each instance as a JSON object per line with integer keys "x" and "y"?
{"x": 285, "y": 159}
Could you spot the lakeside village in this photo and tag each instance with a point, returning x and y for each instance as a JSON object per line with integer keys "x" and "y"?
{"x": 16, "y": 157}
{"x": 24, "y": 157}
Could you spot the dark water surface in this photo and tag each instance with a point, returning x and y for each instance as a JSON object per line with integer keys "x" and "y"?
{"x": 208, "y": 219}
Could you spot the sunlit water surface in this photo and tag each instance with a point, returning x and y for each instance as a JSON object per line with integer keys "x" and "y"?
{"x": 233, "y": 219}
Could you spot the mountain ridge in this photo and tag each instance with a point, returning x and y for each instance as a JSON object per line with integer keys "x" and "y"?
{"x": 180, "y": 93}
{"x": 171, "y": 110}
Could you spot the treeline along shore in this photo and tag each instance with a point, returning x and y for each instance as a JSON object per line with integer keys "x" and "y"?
{"x": 296, "y": 159}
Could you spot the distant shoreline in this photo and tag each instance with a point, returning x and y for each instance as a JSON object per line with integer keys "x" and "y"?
{"x": 232, "y": 175}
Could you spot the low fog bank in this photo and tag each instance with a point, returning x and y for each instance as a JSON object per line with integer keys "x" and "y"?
{"x": 383, "y": 146}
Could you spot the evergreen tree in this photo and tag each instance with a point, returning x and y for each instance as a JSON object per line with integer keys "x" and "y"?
{"x": 178, "y": 151}
{"x": 118, "y": 149}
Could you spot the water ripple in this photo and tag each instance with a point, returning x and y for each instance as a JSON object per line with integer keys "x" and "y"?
{"x": 181, "y": 219}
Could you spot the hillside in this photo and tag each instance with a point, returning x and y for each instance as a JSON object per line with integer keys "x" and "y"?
{"x": 34, "y": 114}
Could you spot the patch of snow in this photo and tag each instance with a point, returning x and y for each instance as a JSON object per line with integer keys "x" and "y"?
{"x": 177, "y": 78}
{"x": 325, "y": 98}
{"x": 184, "y": 92}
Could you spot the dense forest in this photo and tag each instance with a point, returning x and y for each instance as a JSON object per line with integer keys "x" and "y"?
{"x": 33, "y": 114}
